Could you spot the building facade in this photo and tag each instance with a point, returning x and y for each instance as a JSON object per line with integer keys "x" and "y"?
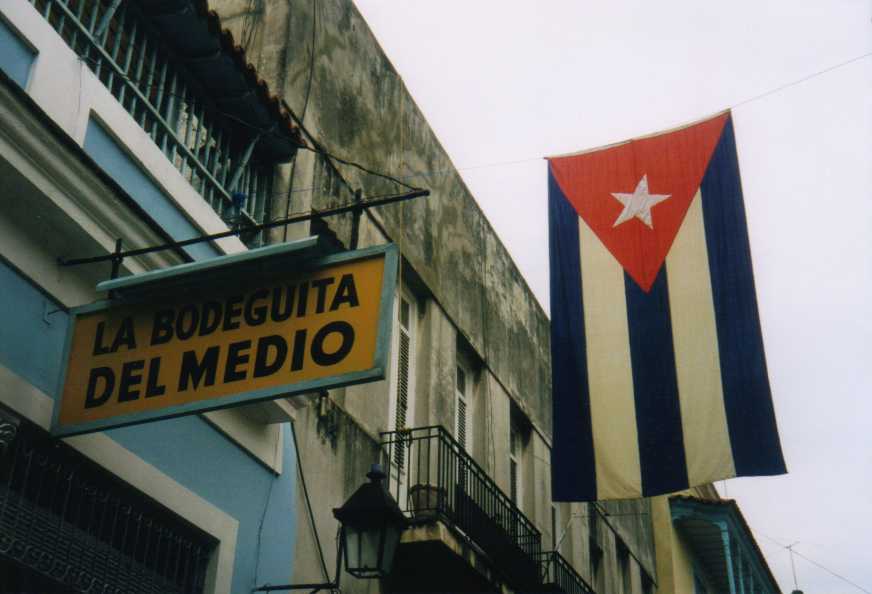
{"x": 129, "y": 120}
{"x": 462, "y": 423}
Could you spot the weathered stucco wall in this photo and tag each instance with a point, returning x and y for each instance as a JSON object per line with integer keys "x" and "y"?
{"x": 473, "y": 300}
{"x": 356, "y": 105}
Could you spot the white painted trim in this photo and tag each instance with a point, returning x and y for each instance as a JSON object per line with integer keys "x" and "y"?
{"x": 70, "y": 186}
{"x": 263, "y": 442}
{"x": 24, "y": 398}
{"x": 33, "y": 404}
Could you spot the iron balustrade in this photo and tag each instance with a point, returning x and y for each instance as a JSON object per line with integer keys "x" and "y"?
{"x": 435, "y": 478}
{"x": 70, "y": 520}
{"x": 150, "y": 82}
{"x": 558, "y": 575}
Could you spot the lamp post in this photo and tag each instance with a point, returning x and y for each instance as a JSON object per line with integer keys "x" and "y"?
{"x": 371, "y": 525}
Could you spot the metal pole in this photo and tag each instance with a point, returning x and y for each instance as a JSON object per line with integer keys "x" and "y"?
{"x": 240, "y": 167}
{"x": 334, "y": 585}
{"x": 355, "y": 222}
{"x": 107, "y": 16}
{"x": 286, "y": 221}
{"x": 117, "y": 259}
{"x": 793, "y": 564}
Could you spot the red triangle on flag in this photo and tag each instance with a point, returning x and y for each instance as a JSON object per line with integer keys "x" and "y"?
{"x": 634, "y": 196}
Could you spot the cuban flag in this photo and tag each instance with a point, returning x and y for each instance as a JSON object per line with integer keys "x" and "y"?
{"x": 658, "y": 370}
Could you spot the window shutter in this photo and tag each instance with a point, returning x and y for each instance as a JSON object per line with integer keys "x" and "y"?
{"x": 461, "y": 422}
{"x": 514, "y": 464}
{"x": 462, "y": 413}
{"x": 403, "y": 361}
{"x": 513, "y": 477}
{"x": 554, "y": 524}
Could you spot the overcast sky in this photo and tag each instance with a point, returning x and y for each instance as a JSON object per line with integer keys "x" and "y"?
{"x": 504, "y": 83}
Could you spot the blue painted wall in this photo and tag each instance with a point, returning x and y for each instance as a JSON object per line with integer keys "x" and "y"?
{"x": 105, "y": 151}
{"x": 16, "y": 57}
{"x": 32, "y": 331}
{"x": 197, "y": 456}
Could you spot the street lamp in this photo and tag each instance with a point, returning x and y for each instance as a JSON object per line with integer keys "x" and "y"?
{"x": 371, "y": 526}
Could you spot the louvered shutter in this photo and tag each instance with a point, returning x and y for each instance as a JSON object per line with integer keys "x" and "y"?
{"x": 514, "y": 464}
{"x": 461, "y": 421}
{"x": 403, "y": 363}
{"x": 513, "y": 477}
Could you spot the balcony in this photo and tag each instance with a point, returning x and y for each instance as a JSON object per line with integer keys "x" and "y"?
{"x": 186, "y": 85}
{"x": 434, "y": 479}
{"x": 557, "y": 575}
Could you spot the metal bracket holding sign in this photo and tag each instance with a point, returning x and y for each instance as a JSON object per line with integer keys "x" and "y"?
{"x": 260, "y": 325}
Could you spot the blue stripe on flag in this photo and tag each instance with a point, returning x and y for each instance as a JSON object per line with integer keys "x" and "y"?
{"x": 658, "y": 412}
{"x": 747, "y": 398}
{"x": 572, "y": 457}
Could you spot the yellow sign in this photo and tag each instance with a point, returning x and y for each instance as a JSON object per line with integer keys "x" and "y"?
{"x": 210, "y": 349}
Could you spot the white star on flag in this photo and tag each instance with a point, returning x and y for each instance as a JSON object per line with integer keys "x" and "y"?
{"x": 638, "y": 204}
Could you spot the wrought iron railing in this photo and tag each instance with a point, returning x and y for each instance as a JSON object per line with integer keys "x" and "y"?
{"x": 557, "y": 575}
{"x": 152, "y": 84}
{"x": 437, "y": 479}
{"x": 70, "y": 520}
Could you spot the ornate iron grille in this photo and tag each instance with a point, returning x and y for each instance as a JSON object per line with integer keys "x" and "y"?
{"x": 444, "y": 482}
{"x": 70, "y": 520}
{"x": 141, "y": 72}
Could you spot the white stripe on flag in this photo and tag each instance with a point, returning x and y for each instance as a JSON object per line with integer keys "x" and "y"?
{"x": 695, "y": 339}
{"x": 610, "y": 373}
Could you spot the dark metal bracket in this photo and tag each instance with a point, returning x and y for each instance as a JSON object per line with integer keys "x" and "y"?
{"x": 359, "y": 205}
{"x": 313, "y": 588}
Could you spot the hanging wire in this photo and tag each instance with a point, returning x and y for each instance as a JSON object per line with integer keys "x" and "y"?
{"x": 308, "y": 501}
{"x": 309, "y": 81}
{"x": 818, "y": 565}
{"x": 316, "y": 148}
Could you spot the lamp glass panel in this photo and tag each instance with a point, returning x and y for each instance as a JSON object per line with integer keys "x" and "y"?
{"x": 369, "y": 548}
{"x": 352, "y": 546}
{"x": 391, "y": 540}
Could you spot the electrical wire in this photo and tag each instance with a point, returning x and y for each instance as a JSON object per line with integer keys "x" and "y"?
{"x": 309, "y": 504}
{"x": 269, "y": 493}
{"x": 803, "y": 79}
{"x": 317, "y": 148}
{"x": 818, "y": 565}
{"x": 735, "y": 105}
{"x": 303, "y": 111}
{"x": 310, "y": 79}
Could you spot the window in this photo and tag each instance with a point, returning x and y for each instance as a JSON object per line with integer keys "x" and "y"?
{"x": 555, "y": 526}
{"x": 596, "y": 569}
{"x": 623, "y": 554}
{"x": 463, "y": 411}
{"x": 77, "y": 519}
{"x": 403, "y": 380}
{"x": 596, "y": 551}
{"x": 647, "y": 583}
{"x": 519, "y": 435}
{"x": 515, "y": 464}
